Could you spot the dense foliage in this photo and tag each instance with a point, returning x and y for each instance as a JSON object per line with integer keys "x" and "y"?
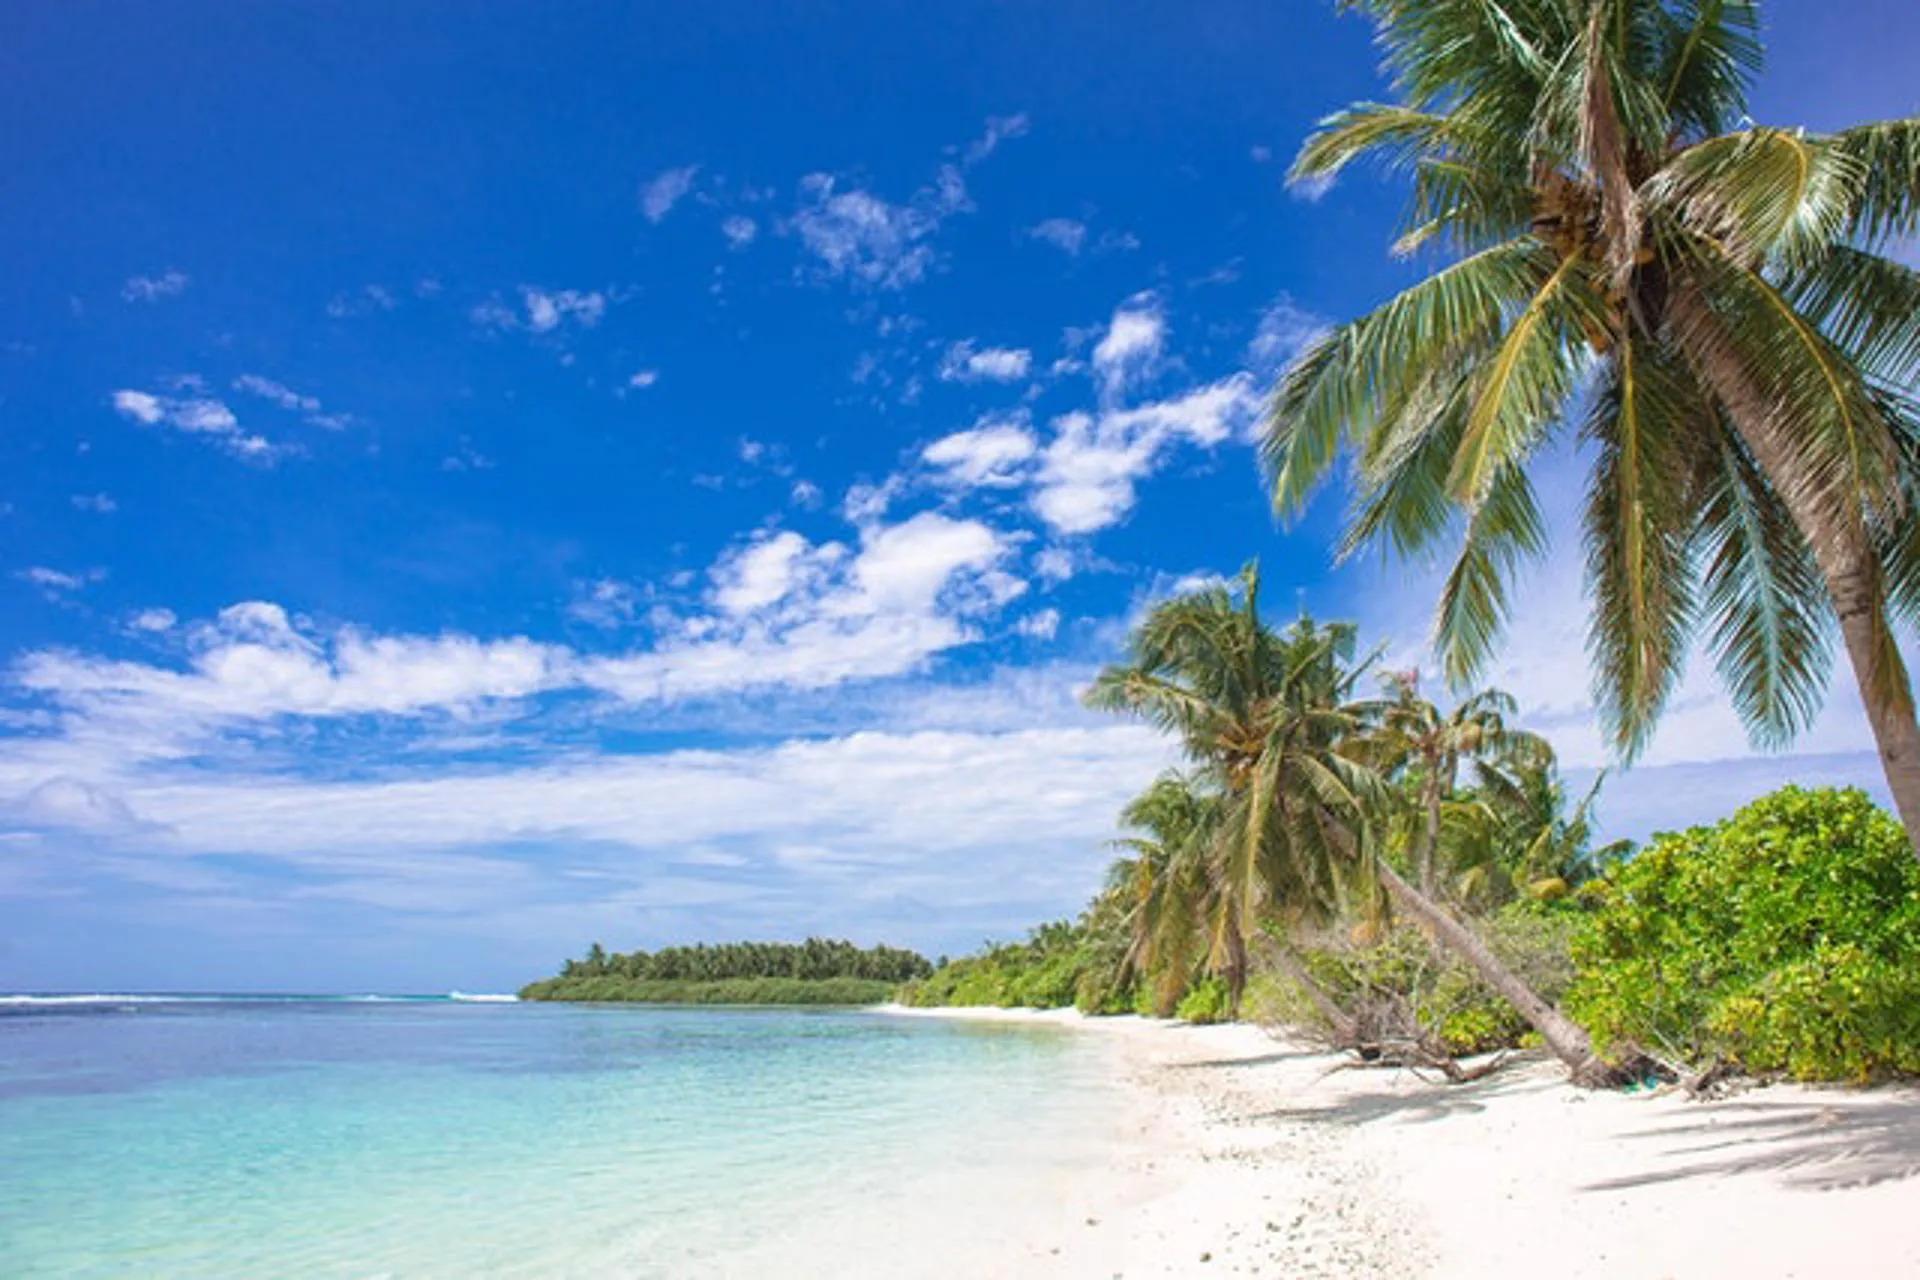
{"x": 1397, "y": 988}
{"x": 1263, "y": 861}
{"x": 614, "y": 988}
{"x": 1784, "y": 939}
{"x": 1060, "y": 964}
{"x": 817, "y": 971}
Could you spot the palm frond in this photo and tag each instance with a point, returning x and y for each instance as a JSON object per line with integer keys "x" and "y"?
{"x": 1868, "y": 306}
{"x": 1888, "y": 154}
{"x": 1340, "y": 386}
{"x": 1527, "y": 379}
{"x": 1504, "y": 530}
{"x": 1765, "y": 600}
{"x": 1820, "y": 406}
{"x": 1638, "y": 523}
{"x": 1712, "y": 52}
{"x": 1765, "y": 195}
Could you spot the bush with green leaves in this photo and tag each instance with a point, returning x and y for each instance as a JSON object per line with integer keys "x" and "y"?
{"x": 1060, "y": 964}
{"x": 1401, "y": 985}
{"x": 1205, "y": 1002}
{"x": 613, "y": 988}
{"x": 1784, "y": 940}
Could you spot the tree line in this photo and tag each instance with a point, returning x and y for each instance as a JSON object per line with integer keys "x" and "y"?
{"x": 815, "y": 960}
{"x": 1417, "y": 883}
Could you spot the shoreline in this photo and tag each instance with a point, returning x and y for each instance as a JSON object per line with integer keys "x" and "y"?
{"x": 1246, "y": 1153}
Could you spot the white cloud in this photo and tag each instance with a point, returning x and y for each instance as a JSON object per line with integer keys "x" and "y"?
{"x": 863, "y": 238}
{"x": 859, "y": 236}
{"x": 786, "y": 615}
{"x": 1089, "y": 469}
{"x": 768, "y": 571}
{"x": 98, "y": 503}
{"x": 1285, "y": 330}
{"x": 806, "y": 494}
{"x": 1040, "y": 625}
{"x": 865, "y": 503}
{"x": 990, "y": 455}
{"x": 739, "y": 230}
{"x": 644, "y": 379}
{"x": 292, "y": 401}
{"x": 55, "y": 580}
{"x": 1054, "y": 564}
{"x": 467, "y": 458}
{"x": 908, "y": 565}
{"x": 998, "y": 821}
{"x": 545, "y": 310}
{"x": 153, "y": 620}
{"x": 962, "y": 363}
{"x": 999, "y": 129}
{"x": 1065, "y": 234}
{"x": 666, "y": 189}
{"x": 796, "y": 616}
{"x": 194, "y": 415}
{"x": 255, "y": 662}
{"x": 276, "y": 392}
{"x": 606, "y": 602}
{"x": 1130, "y": 349}
{"x": 153, "y": 288}
{"x": 370, "y": 298}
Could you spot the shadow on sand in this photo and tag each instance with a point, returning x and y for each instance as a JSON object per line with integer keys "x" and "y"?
{"x": 1364, "y": 1105}
{"x": 1858, "y": 1140}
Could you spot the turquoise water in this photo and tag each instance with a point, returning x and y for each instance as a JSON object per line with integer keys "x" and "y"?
{"x": 350, "y": 1138}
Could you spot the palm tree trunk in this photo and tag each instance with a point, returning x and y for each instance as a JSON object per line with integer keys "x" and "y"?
{"x": 1236, "y": 974}
{"x": 1430, "y": 848}
{"x": 1346, "y": 1032}
{"x": 1840, "y": 548}
{"x": 1569, "y": 1043}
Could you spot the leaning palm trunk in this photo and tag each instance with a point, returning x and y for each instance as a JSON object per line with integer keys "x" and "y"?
{"x": 1235, "y": 971}
{"x": 1567, "y": 1041}
{"x": 1430, "y": 844}
{"x": 1840, "y": 548}
{"x": 1344, "y": 1030}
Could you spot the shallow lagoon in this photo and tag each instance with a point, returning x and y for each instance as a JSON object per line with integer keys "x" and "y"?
{"x": 360, "y": 1138}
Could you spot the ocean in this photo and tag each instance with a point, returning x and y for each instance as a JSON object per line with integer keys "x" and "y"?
{"x": 399, "y": 1137}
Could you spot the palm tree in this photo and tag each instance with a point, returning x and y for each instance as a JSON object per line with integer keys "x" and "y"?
{"x": 1179, "y": 897}
{"x": 1261, "y": 713}
{"x": 1519, "y": 836}
{"x": 1416, "y": 738}
{"x": 1708, "y": 296}
{"x": 1173, "y": 900}
{"x": 1272, "y": 716}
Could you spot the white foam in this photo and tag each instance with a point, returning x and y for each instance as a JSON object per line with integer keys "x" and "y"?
{"x": 482, "y": 998}
{"x": 31, "y": 1001}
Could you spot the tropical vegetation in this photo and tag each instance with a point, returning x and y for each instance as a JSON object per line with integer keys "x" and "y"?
{"x": 817, "y": 971}
{"x": 1785, "y": 939}
{"x": 1702, "y": 304}
{"x": 1274, "y": 877}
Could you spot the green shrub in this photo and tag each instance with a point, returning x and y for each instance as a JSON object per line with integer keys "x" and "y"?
{"x": 613, "y": 988}
{"x": 1059, "y": 964}
{"x": 1403, "y": 984}
{"x": 1205, "y": 1001}
{"x": 1784, "y": 939}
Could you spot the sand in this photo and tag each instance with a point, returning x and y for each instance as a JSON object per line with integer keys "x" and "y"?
{"x": 1249, "y": 1155}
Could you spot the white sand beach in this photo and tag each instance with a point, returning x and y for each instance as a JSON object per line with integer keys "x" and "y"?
{"x": 1247, "y": 1155}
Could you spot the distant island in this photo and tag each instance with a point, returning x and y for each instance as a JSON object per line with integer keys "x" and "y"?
{"x": 819, "y": 971}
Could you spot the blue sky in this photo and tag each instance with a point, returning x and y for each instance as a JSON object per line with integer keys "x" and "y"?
{"x": 480, "y": 478}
